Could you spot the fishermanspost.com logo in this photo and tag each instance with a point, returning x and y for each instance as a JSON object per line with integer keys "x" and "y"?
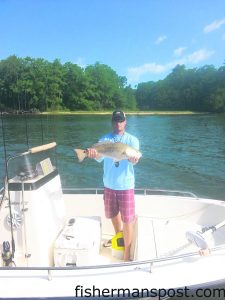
{"x": 120, "y": 293}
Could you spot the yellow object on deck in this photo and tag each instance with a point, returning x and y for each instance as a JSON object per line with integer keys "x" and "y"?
{"x": 118, "y": 245}
{"x": 118, "y": 242}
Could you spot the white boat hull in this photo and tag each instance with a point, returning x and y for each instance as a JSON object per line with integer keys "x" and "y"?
{"x": 163, "y": 263}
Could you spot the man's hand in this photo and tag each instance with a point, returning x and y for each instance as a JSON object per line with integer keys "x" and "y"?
{"x": 134, "y": 160}
{"x": 92, "y": 153}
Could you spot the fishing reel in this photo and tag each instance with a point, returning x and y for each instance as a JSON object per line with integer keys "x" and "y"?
{"x": 7, "y": 254}
{"x": 27, "y": 173}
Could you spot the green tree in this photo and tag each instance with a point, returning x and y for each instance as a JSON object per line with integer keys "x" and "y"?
{"x": 10, "y": 71}
{"x": 104, "y": 87}
{"x": 74, "y": 88}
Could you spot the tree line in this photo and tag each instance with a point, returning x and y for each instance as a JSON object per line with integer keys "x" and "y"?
{"x": 37, "y": 84}
{"x": 28, "y": 84}
{"x": 201, "y": 90}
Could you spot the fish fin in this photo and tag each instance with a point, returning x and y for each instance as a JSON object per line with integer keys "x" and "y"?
{"x": 81, "y": 154}
{"x": 102, "y": 143}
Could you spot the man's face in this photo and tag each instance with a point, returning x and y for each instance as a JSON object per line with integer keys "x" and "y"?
{"x": 119, "y": 126}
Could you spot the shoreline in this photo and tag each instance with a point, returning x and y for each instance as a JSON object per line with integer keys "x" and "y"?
{"x": 141, "y": 113}
{"x": 127, "y": 113}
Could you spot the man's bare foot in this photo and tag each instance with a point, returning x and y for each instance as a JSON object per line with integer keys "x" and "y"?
{"x": 127, "y": 259}
{"x": 126, "y": 256}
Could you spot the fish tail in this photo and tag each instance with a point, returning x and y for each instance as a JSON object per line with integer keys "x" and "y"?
{"x": 81, "y": 154}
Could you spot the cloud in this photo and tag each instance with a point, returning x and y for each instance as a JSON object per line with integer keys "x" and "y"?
{"x": 214, "y": 25}
{"x": 179, "y": 51}
{"x": 199, "y": 56}
{"x": 135, "y": 73}
{"x": 160, "y": 39}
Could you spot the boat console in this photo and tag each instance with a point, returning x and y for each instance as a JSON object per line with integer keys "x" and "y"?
{"x": 33, "y": 213}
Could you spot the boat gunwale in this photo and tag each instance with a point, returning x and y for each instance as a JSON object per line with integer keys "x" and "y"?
{"x": 115, "y": 265}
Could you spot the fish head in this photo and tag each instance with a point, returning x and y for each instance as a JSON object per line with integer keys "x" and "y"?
{"x": 131, "y": 152}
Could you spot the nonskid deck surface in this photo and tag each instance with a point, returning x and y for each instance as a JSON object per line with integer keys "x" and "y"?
{"x": 153, "y": 239}
{"x": 158, "y": 238}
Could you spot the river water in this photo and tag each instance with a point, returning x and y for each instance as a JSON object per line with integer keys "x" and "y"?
{"x": 180, "y": 152}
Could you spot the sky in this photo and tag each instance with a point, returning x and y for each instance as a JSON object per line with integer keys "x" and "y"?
{"x": 140, "y": 39}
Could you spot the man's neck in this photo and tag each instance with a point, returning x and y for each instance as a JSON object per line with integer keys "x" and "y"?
{"x": 119, "y": 132}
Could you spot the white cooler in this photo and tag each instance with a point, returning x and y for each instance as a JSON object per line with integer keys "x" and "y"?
{"x": 78, "y": 243}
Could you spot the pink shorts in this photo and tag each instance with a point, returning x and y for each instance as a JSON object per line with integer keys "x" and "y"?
{"x": 119, "y": 201}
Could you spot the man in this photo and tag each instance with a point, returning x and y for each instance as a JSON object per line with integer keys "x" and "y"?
{"x": 119, "y": 182}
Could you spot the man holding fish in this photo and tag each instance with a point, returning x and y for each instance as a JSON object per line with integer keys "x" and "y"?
{"x": 119, "y": 151}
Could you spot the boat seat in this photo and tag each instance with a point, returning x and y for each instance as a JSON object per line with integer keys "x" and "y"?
{"x": 154, "y": 238}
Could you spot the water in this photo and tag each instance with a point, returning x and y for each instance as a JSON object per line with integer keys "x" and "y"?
{"x": 179, "y": 152}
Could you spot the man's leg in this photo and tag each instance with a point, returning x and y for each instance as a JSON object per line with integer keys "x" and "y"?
{"x": 128, "y": 229}
{"x": 127, "y": 210}
{"x": 117, "y": 223}
{"x": 112, "y": 209}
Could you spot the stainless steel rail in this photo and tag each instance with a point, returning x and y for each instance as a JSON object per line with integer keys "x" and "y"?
{"x": 138, "y": 191}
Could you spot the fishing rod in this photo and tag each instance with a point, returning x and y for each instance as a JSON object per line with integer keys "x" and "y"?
{"x": 6, "y": 250}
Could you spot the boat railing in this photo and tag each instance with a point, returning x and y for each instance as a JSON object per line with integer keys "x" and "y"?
{"x": 165, "y": 192}
{"x": 138, "y": 191}
{"x": 83, "y": 191}
{"x": 133, "y": 264}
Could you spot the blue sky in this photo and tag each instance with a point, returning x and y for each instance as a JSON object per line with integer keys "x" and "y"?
{"x": 140, "y": 39}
